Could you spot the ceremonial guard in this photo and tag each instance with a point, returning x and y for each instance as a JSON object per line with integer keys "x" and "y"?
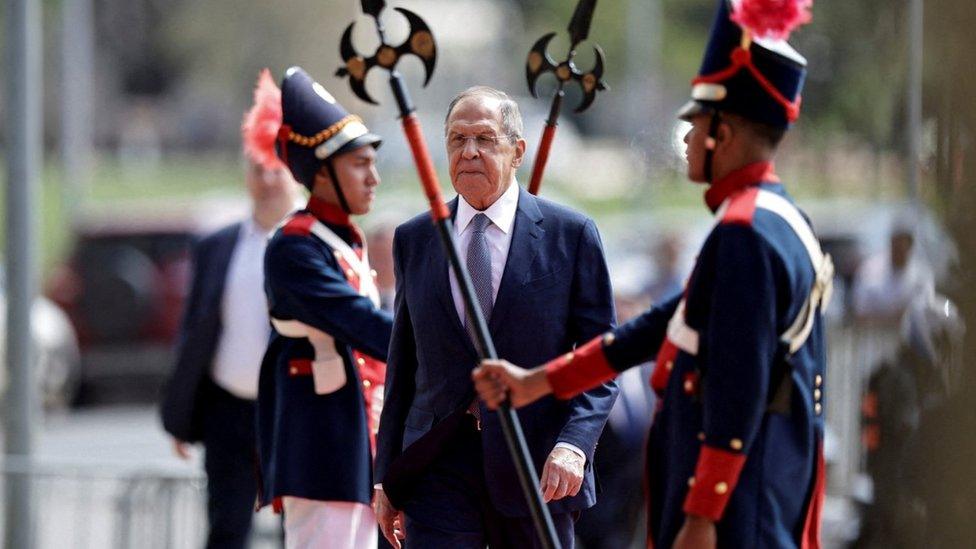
{"x": 735, "y": 454}
{"x": 321, "y": 385}
{"x": 210, "y": 397}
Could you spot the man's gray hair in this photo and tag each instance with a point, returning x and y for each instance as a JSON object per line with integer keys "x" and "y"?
{"x": 511, "y": 117}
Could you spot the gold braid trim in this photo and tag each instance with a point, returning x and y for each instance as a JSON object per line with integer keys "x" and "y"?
{"x": 323, "y": 135}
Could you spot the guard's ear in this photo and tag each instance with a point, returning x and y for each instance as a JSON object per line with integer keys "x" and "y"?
{"x": 322, "y": 185}
{"x": 321, "y": 177}
{"x": 724, "y": 135}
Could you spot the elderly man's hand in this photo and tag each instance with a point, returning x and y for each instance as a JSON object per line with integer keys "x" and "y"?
{"x": 497, "y": 379}
{"x": 390, "y": 520}
{"x": 562, "y": 475}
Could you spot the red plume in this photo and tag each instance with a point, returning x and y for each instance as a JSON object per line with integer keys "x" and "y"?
{"x": 774, "y": 19}
{"x": 259, "y": 131}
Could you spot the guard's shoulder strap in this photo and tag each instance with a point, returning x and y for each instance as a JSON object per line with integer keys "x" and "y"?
{"x": 798, "y": 332}
{"x": 297, "y": 224}
{"x": 367, "y": 286}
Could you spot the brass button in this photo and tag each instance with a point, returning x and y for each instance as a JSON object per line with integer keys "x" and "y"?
{"x": 689, "y": 386}
{"x": 735, "y": 444}
{"x": 350, "y": 273}
{"x": 816, "y": 394}
{"x": 691, "y": 482}
{"x": 366, "y": 383}
{"x": 669, "y": 365}
{"x": 337, "y": 254}
{"x": 293, "y": 370}
{"x": 817, "y": 408}
{"x": 701, "y": 436}
{"x": 374, "y": 273}
{"x": 569, "y": 357}
{"x": 361, "y": 361}
{"x": 721, "y": 488}
{"x": 608, "y": 339}
{"x": 818, "y": 380}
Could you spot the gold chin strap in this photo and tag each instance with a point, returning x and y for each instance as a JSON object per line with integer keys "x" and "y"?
{"x": 323, "y": 135}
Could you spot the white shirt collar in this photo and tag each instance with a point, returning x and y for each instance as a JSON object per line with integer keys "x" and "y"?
{"x": 501, "y": 213}
{"x": 250, "y": 228}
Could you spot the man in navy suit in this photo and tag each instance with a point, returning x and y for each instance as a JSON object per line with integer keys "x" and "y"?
{"x": 225, "y": 329}
{"x": 541, "y": 280}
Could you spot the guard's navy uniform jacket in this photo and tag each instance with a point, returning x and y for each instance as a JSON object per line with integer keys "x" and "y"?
{"x": 317, "y": 446}
{"x": 738, "y": 434}
{"x": 321, "y": 384}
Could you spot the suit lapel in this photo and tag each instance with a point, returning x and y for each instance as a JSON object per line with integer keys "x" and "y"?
{"x": 437, "y": 272}
{"x": 526, "y": 243}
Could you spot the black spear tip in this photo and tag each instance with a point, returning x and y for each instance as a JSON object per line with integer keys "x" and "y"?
{"x": 373, "y": 7}
{"x": 579, "y": 26}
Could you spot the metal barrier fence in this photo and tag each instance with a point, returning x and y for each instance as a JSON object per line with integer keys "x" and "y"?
{"x": 853, "y": 352}
{"x": 97, "y": 505}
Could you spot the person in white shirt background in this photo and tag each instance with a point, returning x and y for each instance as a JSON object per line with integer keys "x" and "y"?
{"x": 225, "y": 330}
{"x": 887, "y": 283}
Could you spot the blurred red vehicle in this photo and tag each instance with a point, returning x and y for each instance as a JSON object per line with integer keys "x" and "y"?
{"x": 123, "y": 286}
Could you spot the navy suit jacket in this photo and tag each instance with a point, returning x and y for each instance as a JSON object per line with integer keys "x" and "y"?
{"x": 199, "y": 334}
{"x": 555, "y": 293}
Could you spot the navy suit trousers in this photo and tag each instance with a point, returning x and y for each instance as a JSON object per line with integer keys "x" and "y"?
{"x": 452, "y": 510}
{"x": 231, "y": 465}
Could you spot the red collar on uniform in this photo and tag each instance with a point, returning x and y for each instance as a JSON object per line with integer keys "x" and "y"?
{"x": 330, "y": 213}
{"x": 747, "y": 176}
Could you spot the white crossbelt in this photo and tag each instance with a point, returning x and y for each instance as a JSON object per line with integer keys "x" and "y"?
{"x": 327, "y": 368}
{"x": 686, "y": 338}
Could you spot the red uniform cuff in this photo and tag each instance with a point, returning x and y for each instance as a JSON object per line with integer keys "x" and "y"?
{"x": 715, "y": 478}
{"x": 580, "y": 370}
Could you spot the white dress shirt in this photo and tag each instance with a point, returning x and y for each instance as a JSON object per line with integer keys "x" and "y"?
{"x": 499, "y": 236}
{"x": 245, "y": 326}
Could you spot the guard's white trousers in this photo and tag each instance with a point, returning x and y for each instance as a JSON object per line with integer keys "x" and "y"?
{"x": 311, "y": 524}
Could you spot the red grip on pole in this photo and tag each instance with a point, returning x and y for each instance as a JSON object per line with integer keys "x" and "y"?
{"x": 541, "y": 157}
{"x": 425, "y": 167}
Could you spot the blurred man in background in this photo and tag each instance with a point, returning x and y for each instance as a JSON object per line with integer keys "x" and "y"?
{"x": 905, "y": 388}
{"x": 669, "y": 277}
{"x": 887, "y": 283}
{"x": 225, "y": 329}
{"x": 380, "y": 240}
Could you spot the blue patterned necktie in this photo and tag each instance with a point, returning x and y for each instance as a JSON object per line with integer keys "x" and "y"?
{"x": 479, "y": 266}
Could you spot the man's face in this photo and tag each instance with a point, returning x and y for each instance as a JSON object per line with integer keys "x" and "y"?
{"x": 482, "y": 157}
{"x": 358, "y": 178}
{"x": 267, "y": 185}
{"x": 696, "y": 139}
{"x": 901, "y": 249}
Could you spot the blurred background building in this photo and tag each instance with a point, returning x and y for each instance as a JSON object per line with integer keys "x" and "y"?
{"x": 142, "y": 103}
